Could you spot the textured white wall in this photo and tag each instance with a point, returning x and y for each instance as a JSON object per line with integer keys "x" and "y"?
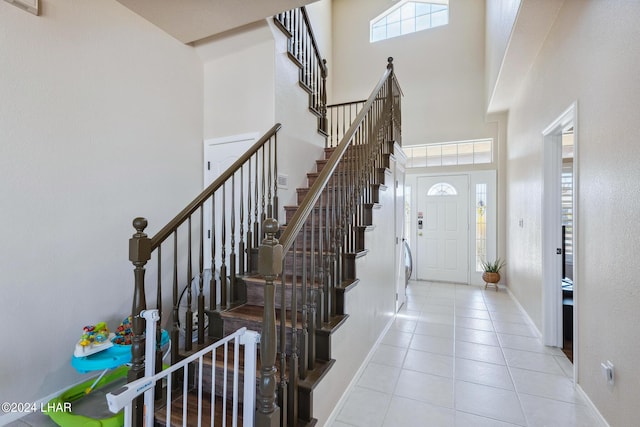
{"x": 320, "y": 14}
{"x": 590, "y": 55}
{"x": 100, "y": 122}
{"x": 239, "y": 81}
{"x": 440, "y": 70}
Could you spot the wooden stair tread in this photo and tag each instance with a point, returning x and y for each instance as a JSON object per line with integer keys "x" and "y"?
{"x": 315, "y": 376}
{"x": 287, "y": 283}
{"x": 253, "y": 313}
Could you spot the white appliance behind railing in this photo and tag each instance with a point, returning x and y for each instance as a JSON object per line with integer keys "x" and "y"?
{"x": 123, "y": 397}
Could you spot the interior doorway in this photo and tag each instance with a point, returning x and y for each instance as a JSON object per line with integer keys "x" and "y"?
{"x": 560, "y": 233}
{"x": 567, "y": 189}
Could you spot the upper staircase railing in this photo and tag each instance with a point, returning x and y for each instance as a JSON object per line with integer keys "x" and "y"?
{"x": 227, "y": 215}
{"x": 339, "y": 119}
{"x": 311, "y": 254}
{"x": 303, "y": 50}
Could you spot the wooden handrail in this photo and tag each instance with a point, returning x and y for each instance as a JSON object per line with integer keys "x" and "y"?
{"x": 342, "y": 104}
{"x": 321, "y": 63}
{"x": 305, "y": 208}
{"x": 166, "y": 231}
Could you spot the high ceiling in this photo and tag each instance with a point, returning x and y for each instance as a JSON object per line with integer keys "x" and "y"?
{"x": 191, "y": 20}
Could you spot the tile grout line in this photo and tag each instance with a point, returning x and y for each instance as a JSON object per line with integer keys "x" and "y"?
{"x": 515, "y": 389}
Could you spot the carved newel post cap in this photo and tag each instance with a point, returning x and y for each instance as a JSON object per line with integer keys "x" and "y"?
{"x": 140, "y": 224}
{"x": 390, "y": 62}
{"x": 270, "y": 226}
{"x": 270, "y": 251}
{"x": 139, "y": 243}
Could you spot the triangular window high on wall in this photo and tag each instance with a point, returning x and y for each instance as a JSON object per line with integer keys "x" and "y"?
{"x": 408, "y": 17}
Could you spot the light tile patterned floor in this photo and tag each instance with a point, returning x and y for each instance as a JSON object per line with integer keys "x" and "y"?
{"x": 460, "y": 356}
{"x": 457, "y": 356}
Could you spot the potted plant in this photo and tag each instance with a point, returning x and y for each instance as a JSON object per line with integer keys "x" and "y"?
{"x": 492, "y": 272}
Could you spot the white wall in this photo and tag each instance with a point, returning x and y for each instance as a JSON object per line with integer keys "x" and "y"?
{"x": 250, "y": 84}
{"x": 320, "y": 14}
{"x": 440, "y": 70}
{"x": 239, "y": 81}
{"x": 590, "y": 56}
{"x": 100, "y": 122}
{"x": 370, "y": 306}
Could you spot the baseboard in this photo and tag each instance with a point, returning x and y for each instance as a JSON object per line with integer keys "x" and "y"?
{"x": 524, "y": 312}
{"x": 590, "y": 404}
{"x": 336, "y": 410}
{"x": 14, "y": 416}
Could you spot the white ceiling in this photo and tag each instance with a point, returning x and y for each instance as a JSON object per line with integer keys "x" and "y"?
{"x": 191, "y": 20}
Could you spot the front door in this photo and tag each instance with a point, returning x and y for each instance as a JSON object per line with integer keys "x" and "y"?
{"x": 442, "y": 228}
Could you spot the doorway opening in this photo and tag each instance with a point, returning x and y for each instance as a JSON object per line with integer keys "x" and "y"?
{"x": 559, "y": 233}
{"x": 567, "y": 242}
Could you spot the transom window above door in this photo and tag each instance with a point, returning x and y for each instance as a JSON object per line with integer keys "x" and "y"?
{"x": 408, "y": 17}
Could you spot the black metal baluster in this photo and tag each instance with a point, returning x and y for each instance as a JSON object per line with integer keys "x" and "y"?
{"x": 241, "y": 249}
{"x": 175, "y": 330}
{"x": 213, "y": 296}
{"x": 232, "y": 256}
{"x": 224, "y": 300}
{"x": 188, "y": 328}
{"x": 201, "y": 281}
{"x": 304, "y": 345}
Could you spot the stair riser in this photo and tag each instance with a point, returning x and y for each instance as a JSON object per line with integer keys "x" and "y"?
{"x": 305, "y": 264}
{"x": 220, "y": 382}
{"x": 366, "y": 214}
{"x": 233, "y": 324}
{"x": 255, "y": 294}
{"x": 304, "y": 239}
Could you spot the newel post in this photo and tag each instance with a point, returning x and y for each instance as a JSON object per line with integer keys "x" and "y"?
{"x": 139, "y": 254}
{"x": 324, "y": 123}
{"x": 270, "y": 266}
{"x": 390, "y": 98}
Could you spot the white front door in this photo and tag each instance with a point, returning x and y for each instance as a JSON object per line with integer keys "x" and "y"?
{"x": 442, "y": 228}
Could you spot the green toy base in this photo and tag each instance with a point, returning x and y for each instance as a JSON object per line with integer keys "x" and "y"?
{"x": 60, "y": 409}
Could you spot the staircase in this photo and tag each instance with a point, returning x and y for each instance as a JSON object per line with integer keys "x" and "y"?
{"x": 287, "y": 281}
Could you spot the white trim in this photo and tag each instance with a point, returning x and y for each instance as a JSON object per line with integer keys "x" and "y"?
{"x": 524, "y": 313}
{"x": 591, "y": 406}
{"x": 576, "y": 248}
{"x": 14, "y": 416}
{"x": 552, "y": 294}
{"x": 551, "y": 238}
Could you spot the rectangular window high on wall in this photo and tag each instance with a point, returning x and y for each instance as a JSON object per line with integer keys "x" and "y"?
{"x": 408, "y": 17}
{"x": 481, "y": 225}
{"x": 474, "y": 152}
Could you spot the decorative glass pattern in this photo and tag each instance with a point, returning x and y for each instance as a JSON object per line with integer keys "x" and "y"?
{"x": 442, "y": 189}
{"x": 481, "y": 225}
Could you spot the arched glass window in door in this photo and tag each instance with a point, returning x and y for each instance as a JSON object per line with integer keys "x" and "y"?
{"x": 442, "y": 189}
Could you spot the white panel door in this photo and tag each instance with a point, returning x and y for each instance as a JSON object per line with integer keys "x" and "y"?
{"x": 443, "y": 228}
{"x": 219, "y": 154}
